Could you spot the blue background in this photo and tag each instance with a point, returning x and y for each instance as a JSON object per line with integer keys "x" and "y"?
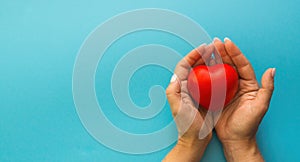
{"x": 39, "y": 41}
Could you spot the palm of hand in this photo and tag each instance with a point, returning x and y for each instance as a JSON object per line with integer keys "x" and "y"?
{"x": 241, "y": 118}
{"x": 190, "y": 118}
{"x": 190, "y": 111}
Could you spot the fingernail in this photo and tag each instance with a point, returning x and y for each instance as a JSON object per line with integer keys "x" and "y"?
{"x": 174, "y": 78}
{"x": 273, "y": 72}
{"x": 217, "y": 39}
{"x": 226, "y": 39}
{"x": 204, "y": 44}
{"x": 200, "y": 49}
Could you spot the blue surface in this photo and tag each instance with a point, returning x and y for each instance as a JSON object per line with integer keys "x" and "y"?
{"x": 39, "y": 41}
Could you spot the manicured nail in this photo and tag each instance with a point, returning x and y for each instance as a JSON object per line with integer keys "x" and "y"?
{"x": 217, "y": 39}
{"x": 273, "y": 72}
{"x": 226, "y": 39}
{"x": 202, "y": 45}
{"x": 174, "y": 78}
{"x": 200, "y": 49}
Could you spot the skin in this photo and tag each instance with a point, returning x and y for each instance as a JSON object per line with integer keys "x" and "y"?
{"x": 189, "y": 147}
{"x": 237, "y": 126}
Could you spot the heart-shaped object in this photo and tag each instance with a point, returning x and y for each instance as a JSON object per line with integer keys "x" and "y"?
{"x": 213, "y": 87}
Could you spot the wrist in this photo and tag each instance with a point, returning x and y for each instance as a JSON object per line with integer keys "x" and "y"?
{"x": 193, "y": 144}
{"x": 242, "y": 150}
{"x": 190, "y": 150}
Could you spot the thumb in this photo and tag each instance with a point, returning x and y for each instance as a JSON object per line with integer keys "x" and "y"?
{"x": 173, "y": 94}
{"x": 265, "y": 92}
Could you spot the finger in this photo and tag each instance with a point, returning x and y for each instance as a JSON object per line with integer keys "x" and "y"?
{"x": 220, "y": 50}
{"x": 206, "y": 55}
{"x": 173, "y": 93}
{"x": 243, "y": 66}
{"x": 265, "y": 92}
{"x": 184, "y": 65}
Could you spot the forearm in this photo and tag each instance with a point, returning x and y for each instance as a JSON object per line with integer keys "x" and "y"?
{"x": 242, "y": 151}
{"x": 188, "y": 152}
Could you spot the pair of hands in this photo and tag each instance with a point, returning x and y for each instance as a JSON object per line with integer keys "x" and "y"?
{"x": 237, "y": 125}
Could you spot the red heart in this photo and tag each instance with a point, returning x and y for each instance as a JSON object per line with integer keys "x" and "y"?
{"x": 222, "y": 77}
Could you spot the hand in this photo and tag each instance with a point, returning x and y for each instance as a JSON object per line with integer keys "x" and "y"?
{"x": 188, "y": 118}
{"x": 238, "y": 124}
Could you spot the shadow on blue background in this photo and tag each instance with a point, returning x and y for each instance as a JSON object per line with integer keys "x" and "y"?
{"x": 40, "y": 40}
